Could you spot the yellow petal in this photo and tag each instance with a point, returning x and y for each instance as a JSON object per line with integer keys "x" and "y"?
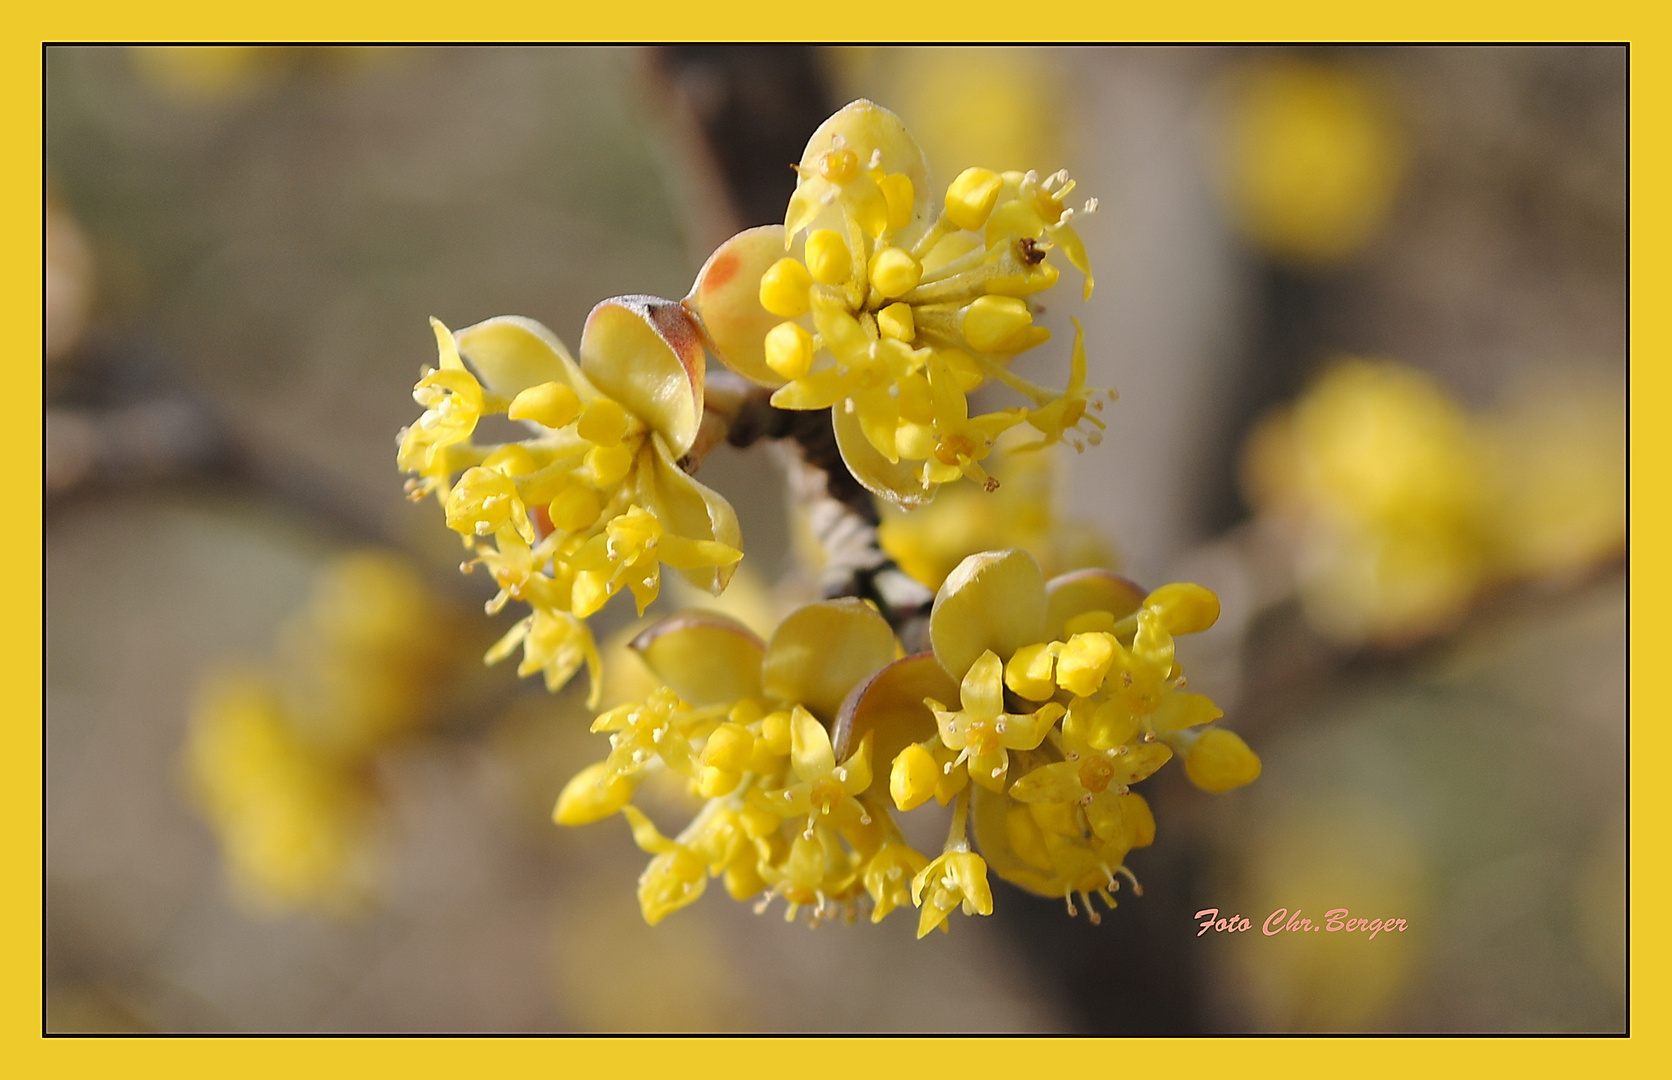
{"x": 810, "y": 752}
{"x": 820, "y": 652}
{"x": 865, "y": 127}
{"x": 816, "y": 390}
{"x": 1138, "y": 821}
{"x": 646, "y": 353}
{"x": 982, "y": 690}
{"x": 1179, "y": 710}
{"x": 704, "y": 657}
{"x": 726, "y": 298}
{"x": 689, "y": 509}
{"x": 898, "y": 482}
{"x": 990, "y": 822}
{"x": 513, "y": 353}
{"x": 1058, "y": 782}
{"x": 991, "y": 601}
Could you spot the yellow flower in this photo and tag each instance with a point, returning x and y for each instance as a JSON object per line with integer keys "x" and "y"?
{"x": 957, "y": 879}
{"x": 1070, "y": 694}
{"x": 889, "y": 876}
{"x": 294, "y": 826}
{"x": 982, "y": 732}
{"x": 762, "y": 732}
{"x": 823, "y": 789}
{"x": 594, "y": 500}
{"x": 674, "y": 878}
{"x": 888, "y": 306}
{"x": 1379, "y": 478}
{"x": 1313, "y": 160}
{"x": 277, "y": 755}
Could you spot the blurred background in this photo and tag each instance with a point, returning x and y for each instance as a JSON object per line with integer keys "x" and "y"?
{"x": 1365, "y": 309}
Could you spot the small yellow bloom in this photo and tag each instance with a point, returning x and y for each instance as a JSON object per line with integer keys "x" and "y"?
{"x": 889, "y": 877}
{"x": 593, "y": 501}
{"x": 982, "y": 732}
{"x": 957, "y": 879}
{"x": 906, "y": 304}
{"x": 755, "y": 727}
{"x": 1218, "y": 760}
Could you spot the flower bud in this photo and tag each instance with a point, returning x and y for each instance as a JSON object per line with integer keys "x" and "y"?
{"x": 1029, "y": 672}
{"x": 609, "y": 464}
{"x": 784, "y": 289}
{"x": 603, "y": 422}
{"x": 552, "y": 404}
{"x": 575, "y": 507}
{"x": 730, "y": 747}
{"x": 1220, "y": 761}
{"x": 789, "y": 350}
{"x": 593, "y": 794}
{"x": 895, "y": 321}
{"x": 996, "y": 323}
{"x": 894, "y": 272}
{"x": 970, "y": 198}
{"x": 914, "y": 777}
{"x": 1184, "y": 608}
{"x": 512, "y": 459}
{"x": 1084, "y": 662}
{"x": 828, "y": 258}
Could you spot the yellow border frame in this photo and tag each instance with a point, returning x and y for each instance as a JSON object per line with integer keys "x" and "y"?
{"x": 20, "y": 662}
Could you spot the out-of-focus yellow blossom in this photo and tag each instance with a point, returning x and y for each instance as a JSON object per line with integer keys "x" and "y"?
{"x": 1069, "y": 694}
{"x": 1557, "y": 462}
{"x": 212, "y": 73}
{"x": 888, "y": 306}
{"x": 930, "y": 541}
{"x": 1313, "y": 158}
{"x": 278, "y": 757}
{"x": 595, "y": 500}
{"x": 754, "y": 729}
{"x": 1379, "y": 476}
{"x": 294, "y": 826}
{"x": 361, "y": 661}
{"x": 1402, "y": 507}
{"x": 1315, "y": 846}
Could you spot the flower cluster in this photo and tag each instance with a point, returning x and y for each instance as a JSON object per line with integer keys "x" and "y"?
{"x": 1067, "y": 693}
{"x": 1401, "y": 507}
{"x": 1053, "y": 699}
{"x": 749, "y": 725}
{"x": 889, "y": 307}
{"x": 279, "y": 755}
{"x": 594, "y": 500}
